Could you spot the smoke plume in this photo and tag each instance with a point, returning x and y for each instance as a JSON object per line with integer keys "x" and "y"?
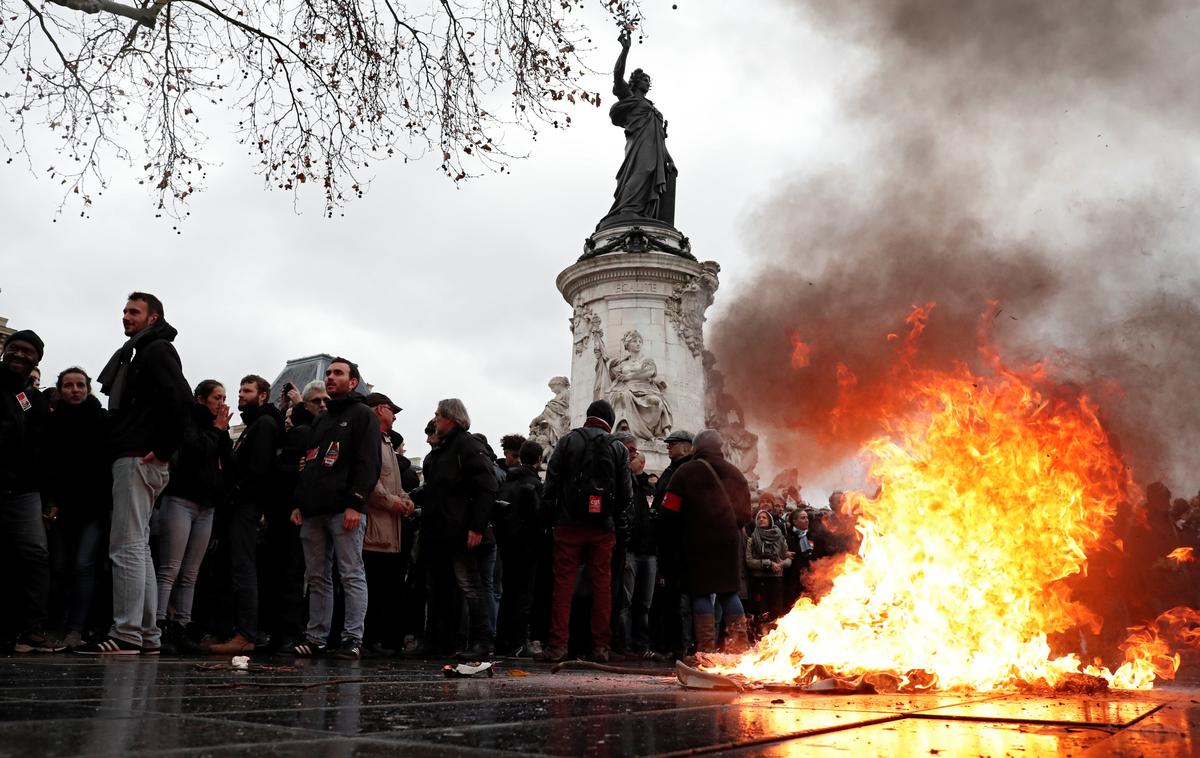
{"x": 1036, "y": 154}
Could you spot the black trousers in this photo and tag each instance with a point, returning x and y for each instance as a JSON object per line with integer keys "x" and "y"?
{"x": 243, "y": 555}
{"x": 385, "y": 593}
{"x": 281, "y": 576}
{"x": 520, "y": 560}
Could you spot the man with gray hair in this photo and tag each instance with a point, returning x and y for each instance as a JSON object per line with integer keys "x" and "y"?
{"x": 457, "y": 502}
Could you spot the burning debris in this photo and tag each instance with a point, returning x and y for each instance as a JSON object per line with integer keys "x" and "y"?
{"x": 993, "y": 487}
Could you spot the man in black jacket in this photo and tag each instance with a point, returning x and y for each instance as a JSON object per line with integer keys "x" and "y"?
{"x": 518, "y": 533}
{"x": 459, "y": 494}
{"x": 22, "y": 477}
{"x": 341, "y": 467}
{"x": 671, "y": 610}
{"x": 254, "y": 489}
{"x": 641, "y": 562}
{"x": 149, "y": 401}
{"x": 586, "y": 523}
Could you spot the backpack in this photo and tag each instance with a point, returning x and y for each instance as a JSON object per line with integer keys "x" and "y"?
{"x": 589, "y": 494}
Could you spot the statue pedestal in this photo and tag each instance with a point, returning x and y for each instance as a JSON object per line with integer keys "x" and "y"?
{"x": 625, "y": 283}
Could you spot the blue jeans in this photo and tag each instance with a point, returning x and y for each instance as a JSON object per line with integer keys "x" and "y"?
{"x": 730, "y": 604}
{"x": 23, "y": 536}
{"x": 135, "y": 590}
{"x": 74, "y": 558}
{"x": 474, "y": 570}
{"x": 184, "y": 529}
{"x": 324, "y": 538}
{"x": 637, "y": 582}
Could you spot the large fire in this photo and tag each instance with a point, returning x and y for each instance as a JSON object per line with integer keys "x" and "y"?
{"x": 993, "y": 488}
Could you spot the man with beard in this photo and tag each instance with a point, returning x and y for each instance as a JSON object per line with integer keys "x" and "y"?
{"x": 22, "y": 416}
{"x": 341, "y": 467}
{"x": 254, "y": 492}
{"x": 148, "y": 399}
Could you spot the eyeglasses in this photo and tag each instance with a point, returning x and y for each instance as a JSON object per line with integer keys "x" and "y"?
{"x": 318, "y": 400}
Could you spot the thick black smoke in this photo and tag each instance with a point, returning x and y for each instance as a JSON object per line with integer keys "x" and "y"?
{"x": 1040, "y": 154}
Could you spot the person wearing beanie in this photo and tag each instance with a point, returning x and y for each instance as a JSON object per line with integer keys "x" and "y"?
{"x": 587, "y": 494}
{"x": 22, "y": 478}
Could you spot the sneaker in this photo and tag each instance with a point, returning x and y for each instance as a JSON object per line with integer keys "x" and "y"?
{"x": 109, "y": 646}
{"x": 306, "y": 649}
{"x": 150, "y": 650}
{"x": 37, "y": 642}
{"x": 535, "y": 648}
{"x": 552, "y": 654}
{"x": 601, "y": 655}
{"x": 351, "y": 650}
{"x": 235, "y": 645}
{"x": 73, "y": 640}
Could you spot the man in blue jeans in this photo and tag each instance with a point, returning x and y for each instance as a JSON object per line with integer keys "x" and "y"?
{"x": 149, "y": 401}
{"x": 340, "y": 468}
{"x": 22, "y": 534}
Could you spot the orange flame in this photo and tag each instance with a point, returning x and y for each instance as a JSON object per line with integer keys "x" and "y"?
{"x": 1182, "y": 555}
{"x": 801, "y": 352}
{"x": 993, "y": 488}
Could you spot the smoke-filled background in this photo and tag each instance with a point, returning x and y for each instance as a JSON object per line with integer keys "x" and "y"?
{"x": 1041, "y": 154}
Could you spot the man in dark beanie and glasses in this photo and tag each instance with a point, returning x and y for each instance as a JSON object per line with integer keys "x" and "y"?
{"x": 22, "y": 533}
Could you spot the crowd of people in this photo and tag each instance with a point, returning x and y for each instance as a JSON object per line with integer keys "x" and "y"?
{"x": 141, "y": 525}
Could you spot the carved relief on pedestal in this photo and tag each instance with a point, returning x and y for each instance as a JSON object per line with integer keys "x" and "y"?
{"x": 630, "y": 383}
{"x": 555, "y": 419}
{"x": 585, "y": 325}
{"x": 724, "y": 413}
{"x": 688, "y": 303}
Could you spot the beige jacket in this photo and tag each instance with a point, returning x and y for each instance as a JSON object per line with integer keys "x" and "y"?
{"x": 383, "y": 526}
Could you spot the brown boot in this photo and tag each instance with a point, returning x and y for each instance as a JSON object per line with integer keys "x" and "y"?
{"x": 737, "y": 641}
{"x": 239, "y": 643}
{"x": 706, "y": 633}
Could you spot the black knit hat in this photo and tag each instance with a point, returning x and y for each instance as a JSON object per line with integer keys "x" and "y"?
{"x": 29, "y": 336}
{"x": 601, "y": 409}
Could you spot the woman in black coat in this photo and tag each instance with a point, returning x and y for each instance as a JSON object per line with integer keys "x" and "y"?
{"x": 79, "y": 497}
{"x": 707, "y": 504}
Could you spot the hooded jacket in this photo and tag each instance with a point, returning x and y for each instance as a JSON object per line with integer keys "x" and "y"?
{"x": 152, "y": 411}
{"x": 80, "y": 474}
{"x": 22, "y": 425}
{"x": 200, "y": 470}
{"x": 460, "y": 487}
{"x": 341, "y": 462}
{"x": 256, "y": 476}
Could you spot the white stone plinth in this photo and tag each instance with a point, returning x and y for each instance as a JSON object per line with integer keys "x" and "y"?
{"x": 663, "y": 297}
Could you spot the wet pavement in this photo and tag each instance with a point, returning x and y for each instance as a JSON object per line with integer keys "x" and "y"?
{"x": 69, "y": 705}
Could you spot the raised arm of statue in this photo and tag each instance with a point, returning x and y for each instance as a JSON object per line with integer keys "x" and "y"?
{"x": 620, "y": 86}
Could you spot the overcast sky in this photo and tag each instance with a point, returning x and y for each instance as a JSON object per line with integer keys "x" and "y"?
{"x": 436, "y": 290}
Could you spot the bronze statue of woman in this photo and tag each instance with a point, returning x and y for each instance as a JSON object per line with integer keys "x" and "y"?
{"x": 646, "y": 181}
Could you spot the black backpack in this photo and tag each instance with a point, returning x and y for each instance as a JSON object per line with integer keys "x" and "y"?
{"x": 590, "y": 492}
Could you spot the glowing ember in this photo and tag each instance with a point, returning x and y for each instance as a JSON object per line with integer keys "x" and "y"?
{"x": 1182, "y": 555}
{"x": 993, "y": 488}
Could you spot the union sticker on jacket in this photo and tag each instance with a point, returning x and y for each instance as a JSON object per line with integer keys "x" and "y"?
{"x": 23, "y": 400}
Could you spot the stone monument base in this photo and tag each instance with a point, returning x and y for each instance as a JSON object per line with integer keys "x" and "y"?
{"x": 639, "y": 298}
